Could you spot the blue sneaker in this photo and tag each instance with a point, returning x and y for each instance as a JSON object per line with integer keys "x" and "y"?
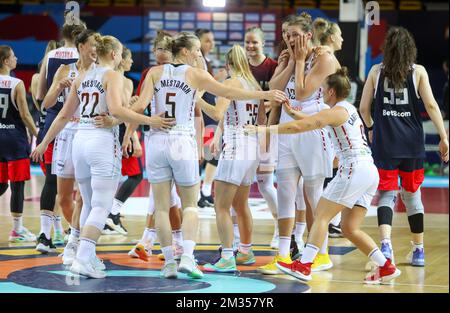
{"x": 387, "y": 251}
{"x": 416, "y": 256}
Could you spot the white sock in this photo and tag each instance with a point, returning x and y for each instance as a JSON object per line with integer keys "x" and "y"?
{"x": 46, "y": 224}
{"x": 148, "y": 237}
{"x": 227, "y": 254}
{"x": 188, "y": 247}
{"x": 86, "y": 250}
{"x": 206, "y": 189}
{"x": 299, "y": 230}
{"x": 309, "y": 254}
{"x": 177, "y": 237}
{"x": 168, "y": 254}
{"x": 237, "y": 235}
{"x": 324, "y": 247}
{"x": 57, "y": 224}
{"x": 388, "y": 241}
{"x": 117, "y": 206}
{"x": 378, "y": 257}
{"x": 17, "y": 223}
{"x": 284, "y": 246}
{"x": 245, "y": 248}
{"x": 74, "y": 234}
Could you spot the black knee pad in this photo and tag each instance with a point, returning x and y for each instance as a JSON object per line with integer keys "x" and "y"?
{"x": 17, "y": 197}
{"x": 385, "y": 215}
{"x": 3, "y": 188}
{"x": 128, "y": 187}
{"x": 48, "y": 195}
{"x": 416, "y": 223}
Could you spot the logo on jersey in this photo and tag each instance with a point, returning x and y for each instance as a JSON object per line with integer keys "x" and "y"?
{"x": 7, "y": 126}
{"x": 396, "y": 113}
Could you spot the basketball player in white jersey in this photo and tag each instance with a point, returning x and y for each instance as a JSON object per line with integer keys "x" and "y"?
{"x": 308, "y": 154}
{"x": 62, "y": 165}
{"x": 15, "y": 118}
{"x": 351, "y": 191}
{"x": 174, "y": 155}
{"x": 238, "y": 163}
{"x": 143, "y": 249}
{"x": 97, "y": 154}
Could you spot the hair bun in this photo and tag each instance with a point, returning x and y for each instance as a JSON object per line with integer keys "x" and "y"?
{"x": 343, "y": 71}
{"x": 306, "y": 16}
{"x": 320, "y": 23}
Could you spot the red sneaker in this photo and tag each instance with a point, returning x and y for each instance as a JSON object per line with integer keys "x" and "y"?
{"x": 296, "y": 269}
{"x": 383, "y": 274}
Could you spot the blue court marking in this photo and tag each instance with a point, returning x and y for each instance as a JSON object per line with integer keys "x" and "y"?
{"x": 125, "y": 279}
{"x": 430, "y": 181}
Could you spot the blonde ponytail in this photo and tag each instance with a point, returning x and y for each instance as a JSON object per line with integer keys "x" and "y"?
{"x": 237, "y": 60}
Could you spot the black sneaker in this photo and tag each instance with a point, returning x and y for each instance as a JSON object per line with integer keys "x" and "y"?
{"x": 45, "y": 245}
{"x": 334, "y": 231}
{"x": 205, "y": 201}
{"x": 294, "y": 252}
{"x": 114, "y": 222}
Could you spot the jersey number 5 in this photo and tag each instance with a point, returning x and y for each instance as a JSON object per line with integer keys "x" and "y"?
{"x": 170, "y": 105}
{"x": 4, "y": 103}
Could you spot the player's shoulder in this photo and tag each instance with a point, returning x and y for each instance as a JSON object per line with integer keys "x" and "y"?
{"x": 420, "y": 68}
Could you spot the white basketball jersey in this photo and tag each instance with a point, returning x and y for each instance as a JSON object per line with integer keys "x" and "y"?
{"x": 311, "y": 105}
{"x": 176, "y": 98}
{"x": 92, "y": 98}
{"x": 349, "y": 139}
{"x": 240, "y": 113}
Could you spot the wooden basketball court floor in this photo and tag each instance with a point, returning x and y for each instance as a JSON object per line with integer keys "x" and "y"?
{"x": 22, "y": 269}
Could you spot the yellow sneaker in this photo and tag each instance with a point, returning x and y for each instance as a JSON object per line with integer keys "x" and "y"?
{"x": 271, "y": 268}
{"x": 322, "y": 262}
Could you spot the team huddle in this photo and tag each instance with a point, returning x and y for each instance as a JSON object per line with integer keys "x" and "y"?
{"x": 289, "y": 118}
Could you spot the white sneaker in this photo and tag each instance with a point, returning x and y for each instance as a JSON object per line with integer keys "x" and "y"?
{"x": 70, "y": 253}
{"x": 88, "y": 269}
{"x": 29, "y": 235}
{"x": 275, "y": 242}
{"x": 189, "y": 267}
{"x": 98, "y": 264}
{"x": 169, "y": 270}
